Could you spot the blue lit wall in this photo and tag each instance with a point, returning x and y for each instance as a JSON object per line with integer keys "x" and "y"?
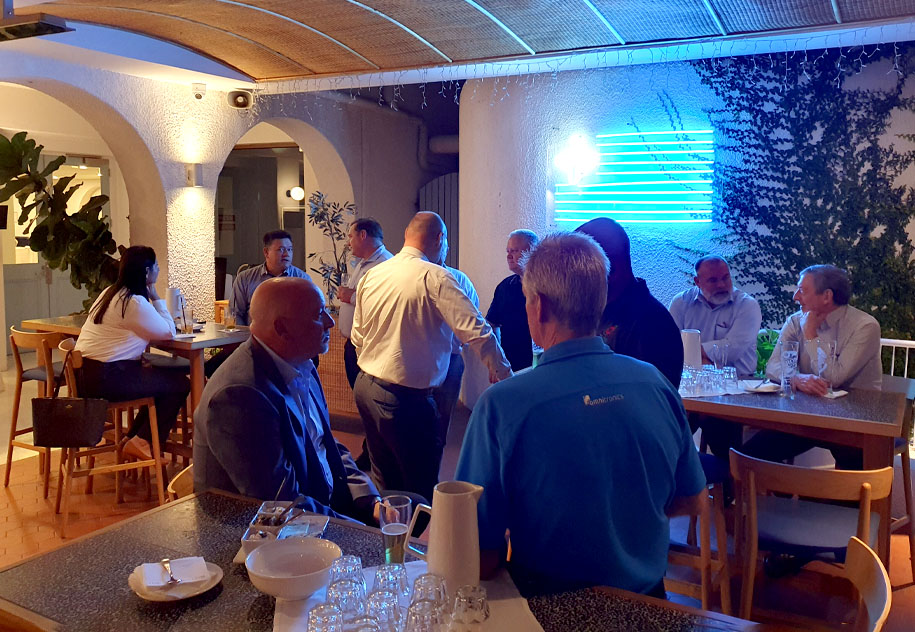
{"x": 646, "y": 177}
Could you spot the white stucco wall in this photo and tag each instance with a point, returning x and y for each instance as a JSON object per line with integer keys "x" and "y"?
{"x": 511, "y": 130}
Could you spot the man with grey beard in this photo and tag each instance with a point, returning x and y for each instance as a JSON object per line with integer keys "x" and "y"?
{"x": 722, "y": 314}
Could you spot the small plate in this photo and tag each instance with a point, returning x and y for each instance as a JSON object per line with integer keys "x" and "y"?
{"x": 135, "y": 582}
{"x": 763, "y": 387}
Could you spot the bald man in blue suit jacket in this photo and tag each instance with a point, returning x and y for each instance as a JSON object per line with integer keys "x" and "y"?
{"x": 263, "y": 417}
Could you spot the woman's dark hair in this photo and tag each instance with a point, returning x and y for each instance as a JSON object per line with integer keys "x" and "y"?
{"x": 135, "y": 262}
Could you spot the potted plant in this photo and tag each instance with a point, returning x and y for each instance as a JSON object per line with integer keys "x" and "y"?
{"x": 332, "y": 218}
{"x": 80, "y": 242}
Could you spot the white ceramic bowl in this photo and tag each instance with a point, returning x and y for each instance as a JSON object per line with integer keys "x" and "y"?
{"x": 293, "y": 568}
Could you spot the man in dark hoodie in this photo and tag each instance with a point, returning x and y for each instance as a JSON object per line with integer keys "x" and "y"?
{"x": 634, "y": 322}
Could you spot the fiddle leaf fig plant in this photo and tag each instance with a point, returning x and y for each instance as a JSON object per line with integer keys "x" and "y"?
{"x": 80, "y": 242}
{"x": 332, "y": 218}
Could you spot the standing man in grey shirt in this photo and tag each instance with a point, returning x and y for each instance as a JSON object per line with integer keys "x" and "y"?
{"x": 277, "y": 263}
{"x": 823, "y": 293}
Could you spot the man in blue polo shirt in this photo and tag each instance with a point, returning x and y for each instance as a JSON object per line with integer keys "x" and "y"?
{"x": 584, "y": 457}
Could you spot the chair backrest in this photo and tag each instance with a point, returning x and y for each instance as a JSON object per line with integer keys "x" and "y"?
{"x": 906, "y": 386}
{"x": 182, "y": 484}
{"x": 73, "y": 360}
{"x": 867, "y": 573}
{"x": 757, "y": 477}
{"x": 33, "y": 341}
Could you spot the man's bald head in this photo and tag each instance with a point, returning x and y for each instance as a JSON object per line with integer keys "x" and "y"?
{"x": 288, "y": 315}
{"x": 427, "y": 232}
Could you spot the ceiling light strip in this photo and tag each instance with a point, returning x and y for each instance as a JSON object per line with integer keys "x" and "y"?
{"x": 640, "y": 183}
{"x": 603, "y": 20}
{"x": 714, "y": 14}
{"x": 403, "y": 28}
{"x": 304, "y": 26}
{"x": 169, "y": 16}
{"x": 835, "y": 11}
{"x": 502, "y": 26}
{"x": 640, "y": 221}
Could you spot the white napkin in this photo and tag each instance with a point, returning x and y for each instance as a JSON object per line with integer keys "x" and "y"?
{"x": 187, "y": 569}
{"x": 508, "y": 610}
{"x": 835, "y": 394}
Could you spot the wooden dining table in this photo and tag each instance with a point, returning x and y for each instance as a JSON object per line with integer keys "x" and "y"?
{"x": 83, "y": 585}
{"x": 212, "y": 335}
{"x": 870, "y": 420}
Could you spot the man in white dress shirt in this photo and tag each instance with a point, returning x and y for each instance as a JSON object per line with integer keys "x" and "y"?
{"x": 406, "y": 310}
{"x": 366, "y": 240}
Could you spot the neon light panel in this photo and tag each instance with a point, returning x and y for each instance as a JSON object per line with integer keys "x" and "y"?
{"x": 658, "y": 177}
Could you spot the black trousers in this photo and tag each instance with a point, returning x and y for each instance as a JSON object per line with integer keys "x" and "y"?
{"x": 403, "y": 434}
{"x": 129, "y": 379}
{"x": 772, "y": 445}
{"x": 446, "y": 395}
{"x": 720, "y": 434}
{"x": 349, "y": 363}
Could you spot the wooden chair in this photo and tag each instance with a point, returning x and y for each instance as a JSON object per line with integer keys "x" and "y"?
{"x": 800, "y": 527}
{"x": 69, "y": 469}
{"x": 713, "y": 569}
{"x": 867, "y": 573}
{"x": 45, "y": 373}
{"x": 182, "y": 483}
{"x": 896, "y": 384}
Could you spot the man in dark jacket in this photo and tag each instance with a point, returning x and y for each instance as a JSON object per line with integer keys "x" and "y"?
{"x": 634, "y": 322}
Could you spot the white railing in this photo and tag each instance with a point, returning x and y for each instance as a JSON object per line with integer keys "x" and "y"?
{"x": 893, "y": 344}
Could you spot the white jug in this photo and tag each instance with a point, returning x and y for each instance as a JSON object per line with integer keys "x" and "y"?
{"x": 454, "y": 538}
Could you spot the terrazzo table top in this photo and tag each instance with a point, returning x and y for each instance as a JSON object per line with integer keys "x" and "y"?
{"x": 83, "y": 585}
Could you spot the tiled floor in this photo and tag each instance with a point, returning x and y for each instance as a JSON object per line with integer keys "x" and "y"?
{"x": 28, "y": 525}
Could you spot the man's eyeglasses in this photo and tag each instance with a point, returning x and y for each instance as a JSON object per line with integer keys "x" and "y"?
{"x": 282, "y": 250}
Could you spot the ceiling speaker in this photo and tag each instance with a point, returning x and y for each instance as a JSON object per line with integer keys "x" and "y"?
{"x": 241, "y": 99}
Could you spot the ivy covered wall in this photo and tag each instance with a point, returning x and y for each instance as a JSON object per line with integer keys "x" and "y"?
{"x": 814, "y": 158}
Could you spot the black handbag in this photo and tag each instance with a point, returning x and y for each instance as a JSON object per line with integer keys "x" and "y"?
{"x": 68, "y": 422}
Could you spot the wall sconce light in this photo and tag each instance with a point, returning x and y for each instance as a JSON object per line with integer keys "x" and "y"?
{"x": 296, "y": 193}
{"x": 578, "y": 159}
{"x": 193, "y": 175}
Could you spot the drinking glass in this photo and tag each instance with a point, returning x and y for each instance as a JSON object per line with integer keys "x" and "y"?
{"x": 425, "y": 616}
{"x": 826, "y": 359}
{"x": 229, "y": 320}
{"x": 187, "y": 320}
{"x": 392, "y": 577}
{"x": 384, "y": 606}
{"x": 720, "y": 354}
{"x": 347, "y": 595}
{"x": 325, "y": 618}
{"x": 789, "y": 368}
{"x": 430, "y": 587}
{"x": 362, "y": 624}
{"x": 348, "y": 567}
{"x": 394, "y": 518}
{"x": 471, "y": 609}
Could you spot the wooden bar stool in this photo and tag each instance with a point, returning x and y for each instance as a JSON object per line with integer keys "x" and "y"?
{"x": 70, "y": 469}
{"x": 45, "y": 374}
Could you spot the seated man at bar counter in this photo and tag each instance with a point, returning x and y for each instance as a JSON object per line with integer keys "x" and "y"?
{"x": 277, "y": 263}
{"x": 722, "y": 315}
{"x": 583, "y": 458}
{"x": 728, "y": 321}
{"x": 823, "y": 293}
{"x": 262, "y": 423}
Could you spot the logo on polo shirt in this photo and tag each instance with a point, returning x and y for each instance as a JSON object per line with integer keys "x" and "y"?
{"x": 600, "y": 401}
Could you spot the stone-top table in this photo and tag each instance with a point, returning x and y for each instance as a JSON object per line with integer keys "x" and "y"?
{"x": 83, "y": 585}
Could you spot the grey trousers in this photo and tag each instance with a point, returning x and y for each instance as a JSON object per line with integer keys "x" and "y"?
{"x": 403, "y": 434}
